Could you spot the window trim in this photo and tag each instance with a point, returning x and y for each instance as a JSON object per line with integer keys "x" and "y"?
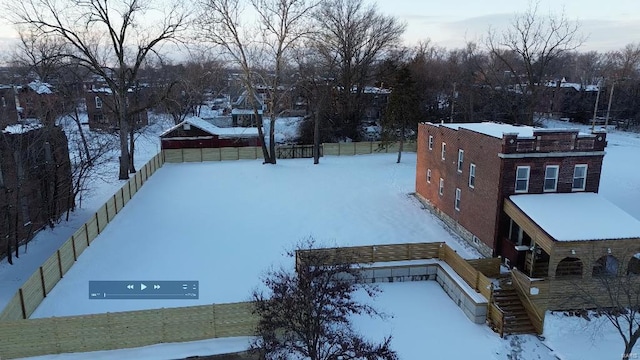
{"x": 456, "y": 204}
{"x": 430, "y": 144}
{"x": 98, "y": 101}
{"x": 472, "y": 175}
{"x": 584, "y": 179}
{"x": 441, "y": 187}
{"x": 526, "y": 189}
{"x": 460, "y": 160}
{"x": 555, "y": 183}
{"x": 429, "y": 176}
{"x": 443, "y": 151}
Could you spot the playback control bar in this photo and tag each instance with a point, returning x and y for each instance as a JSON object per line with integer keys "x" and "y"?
{"x": 163, "y": 290}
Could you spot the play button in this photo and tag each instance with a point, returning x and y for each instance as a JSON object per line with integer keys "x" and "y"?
{"x": 143, "y": 286}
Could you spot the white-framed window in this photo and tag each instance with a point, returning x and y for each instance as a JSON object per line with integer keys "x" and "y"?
{"x": 98, "y": 102}
{"x": 522, "y": 179}
{"x": 430, "y": 142}
{"x": 444, "y": 150}
{"x": 429, "y": 176}
{"x": 472, "y": 175}
{"x": 460, "y": 159}
{"x": 579, "y": 177}
{"x": 551, "y": 178}
{"x": 457, "y": 203}
{"x": 441, "y": 188}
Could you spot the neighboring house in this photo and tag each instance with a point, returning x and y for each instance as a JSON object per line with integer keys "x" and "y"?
{"x": 242, "y": 110}
{"x": 199, "y": 133}
{"x": 530, "y": 196}
{"x": 37, "y": 100}
{"x": 35, "y": 180}
{"x": 375, "y": 102}
{"x": 8, "y": 109}
{"x": 101, "y": 109}
{"x": 567, "y": 99}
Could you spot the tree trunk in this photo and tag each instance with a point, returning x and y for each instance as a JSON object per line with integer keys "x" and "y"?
{"x": 628, "y": 347}
{"x": 272, "y": 137}
{"x": 124, "y": 136}
{"x": 83, "y": 138}
{"x": 401, "y": 147}
{"x": 316, "y": 138}
{"x": 265, "y": 151}
{"x": 132, "y": 143}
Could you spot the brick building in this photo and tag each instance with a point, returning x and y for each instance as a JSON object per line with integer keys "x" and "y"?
{"x": 35, "y": 181}
{"x": 466, "y": 171}
{"x": 8, "y": 110}
{"x": 101, "y": 109}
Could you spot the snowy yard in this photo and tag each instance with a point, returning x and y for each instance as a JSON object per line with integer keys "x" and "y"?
{"x": 224, "y": 224}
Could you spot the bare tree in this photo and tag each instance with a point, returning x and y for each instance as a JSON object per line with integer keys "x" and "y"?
{"x": 307, "y": 314}
{"x": 356, "y": 35}
{"x": 529, "y": 47}
{"x": 109, "y": 38}
{"x": 281, "y": 25}
{"x": 614, "y": 293}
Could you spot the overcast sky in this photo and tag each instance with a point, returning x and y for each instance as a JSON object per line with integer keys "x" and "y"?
{"x": 608, "y": 24}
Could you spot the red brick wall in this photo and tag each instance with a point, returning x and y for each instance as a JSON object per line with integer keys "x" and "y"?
{"x": 479, "y": 206}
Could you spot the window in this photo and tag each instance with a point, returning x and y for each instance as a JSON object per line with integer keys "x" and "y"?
{"x": 98, "y": 103}
{"x": 551, "y": 178}
{"x": 4, "y": 102}
{"x": 472, "y": 175}
{"x": 429, "y": 176}
{"x": 441, "y": 190}
{"x": 460, "y": 159}
{"x": 430, "y": 142}
{"x": 457, "y": 203}
{"x": 579, "y": 178}
{"x": 522, "y": 179}
{"x": 444, "y": 150}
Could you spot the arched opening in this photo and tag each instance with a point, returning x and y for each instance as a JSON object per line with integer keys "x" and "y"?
{"x": 569, "y": 267}
{"x": 634, "y": 265}
{"x": 606, "y": 266}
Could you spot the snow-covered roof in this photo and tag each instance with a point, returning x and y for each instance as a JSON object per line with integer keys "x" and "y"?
{"x": 244, "y": 111}
{"x": 21, "y": 128}
{"x": 214, "y": 130}
{"x": 493, "y": 129}
{"x": 578, "y": 216}
{"x": 40, "y": 87}
{"x": 577, "y": 86}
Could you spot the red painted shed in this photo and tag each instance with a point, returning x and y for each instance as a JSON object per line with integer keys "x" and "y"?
{"x": 199, "y": 133}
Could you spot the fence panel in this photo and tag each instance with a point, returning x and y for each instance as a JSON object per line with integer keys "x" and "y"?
{"x": 347, "y": 148}
{"x": 51, "y": 272}
{"x": 229, "y": 153}
{"x": 362, "y": 148}
{"x": 32, "y": 293}
{"x": 131, "y": 184}
{"x": 134, "y": 328}
{"x": 249, "y": 153}
{"x": 331, "y": 149}
{"x": 111, "y": 209}
{"x": 188, "y": 324}
{"x": 66, "y": 256}
{"x": 126, "y": 195}
{"x": 103, "y": 220}
{"x": 234, "y": 319}
{"x": 119, "y": 200}
{"x": 80, "y": 241}
{"x": 192, "y": 155}
{"x": 173, "y": 155}
{"x": 13, "y": 311}
{"x": 212, "y": 154}
{"x": 489, "y": 267}
{"x": 461, "y": 266}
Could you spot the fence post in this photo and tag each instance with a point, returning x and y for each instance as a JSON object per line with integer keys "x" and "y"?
{"x": 97, "y": 223}
{"x": 215, "y": 320}
{"x": 106, "y": 210}
{"x": 477, "y": 281}
{"x": 129, "y": 186}
{"x": 59, "y": 263}
{"x": 115, "y": 203}
{"x": 86, "y": 234}
{"x": 237, "y": 153}
{"x": 44, "y": 289}
{"x": 73, "y": 246}
{"x": 24, "y": 310}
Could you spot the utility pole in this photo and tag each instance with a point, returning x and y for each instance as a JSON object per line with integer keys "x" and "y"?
{"x": 595, "y": 108}
{"x": 606, "y": 120}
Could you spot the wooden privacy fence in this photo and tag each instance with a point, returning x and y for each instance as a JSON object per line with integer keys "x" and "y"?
{"x": 36, "y": 288}
{"x": 130, "y": 329}
{"x": 469, "y": 270}
{"x": 255, "y": 152}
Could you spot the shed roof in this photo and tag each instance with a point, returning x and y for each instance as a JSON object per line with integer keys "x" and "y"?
{"x": 578, "y": 216}
{"x": 232, "y": 132}
{"x": 493, "y": 129}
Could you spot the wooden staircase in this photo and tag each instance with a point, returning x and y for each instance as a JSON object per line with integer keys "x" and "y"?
{"x": 516, "y": 320}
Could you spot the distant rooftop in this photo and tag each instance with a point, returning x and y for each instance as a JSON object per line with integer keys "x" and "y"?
{"x": 214, "y": 130}
{"x": 578, "y": 216}
{"x": 498, "y": 130}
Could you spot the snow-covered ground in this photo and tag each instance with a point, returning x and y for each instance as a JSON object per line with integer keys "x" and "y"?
{"x": 225, "y": 223}
{"x": 422, "y": 314}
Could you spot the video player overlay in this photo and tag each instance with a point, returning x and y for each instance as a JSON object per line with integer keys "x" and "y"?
{"x": 162, "y": 290}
